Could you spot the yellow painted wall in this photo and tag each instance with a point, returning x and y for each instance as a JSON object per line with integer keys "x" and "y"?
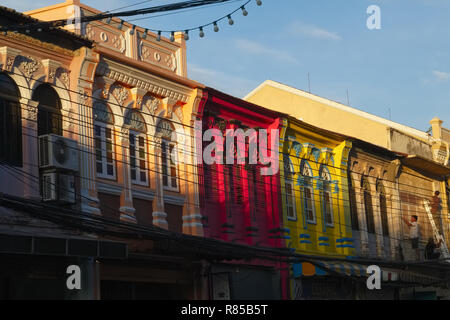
{"x": 307, "y": 237}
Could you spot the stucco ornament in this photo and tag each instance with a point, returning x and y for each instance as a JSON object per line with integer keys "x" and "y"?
{"x": 28, "y": 65}
{"x": 152, "y": 104}
{"x": 120, "y": 93}
{"x": 64, "y": 77}
{"x": 31, "y": 113}
{"x": 9, "y": 63}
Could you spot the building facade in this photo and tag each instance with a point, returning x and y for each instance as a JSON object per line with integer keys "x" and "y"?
{"x": 238, "y": 202}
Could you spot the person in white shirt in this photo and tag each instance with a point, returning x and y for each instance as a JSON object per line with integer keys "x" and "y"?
{"x": 413, "y": 233}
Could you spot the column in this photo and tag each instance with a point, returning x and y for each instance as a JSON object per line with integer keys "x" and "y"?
{"x": 30, "y": 148}
{"x": 126, "y": 198}
{"x": 159, "y": 216}
{"x": 192, "y": 217}
{"x": 378, "y": 224}
{"x": 87, "y": 172}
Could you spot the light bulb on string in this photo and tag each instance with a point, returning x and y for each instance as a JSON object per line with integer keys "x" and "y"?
{"x": 230, "y": 21}
{"x": 120, "y": 25}
{"x": 132, "y": 29}
{"x": 172, "y": 36}
{"x": 258, "y": 2}
{"x": 144, "y": 35}
{"x": 201, "y": 33}
{"x": 108, "y": 21}
{"x": 216, "y": 27}
{"x": 158, "y": 37}
{"x": 244, "y": 12}
{"x": 186, "y": 35}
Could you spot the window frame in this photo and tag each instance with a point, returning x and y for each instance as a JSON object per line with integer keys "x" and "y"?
{"x": 383, "y": 210}
{"x": 326, "y": 180}
{"x": 11, "y": 157}
{"x": 103, "y": 149}
{"x": 367, "y": 197}
{"x": 306, "y": 172}
{"x": 289, "y": 199}
{"x": 169, "y": 165}
{"x": 138, "y": 159}
{"x": 48, "y": 113}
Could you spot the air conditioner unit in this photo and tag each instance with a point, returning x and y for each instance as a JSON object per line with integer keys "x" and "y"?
{"x": 58, "y": 187}
{"x": 58, "y": 152}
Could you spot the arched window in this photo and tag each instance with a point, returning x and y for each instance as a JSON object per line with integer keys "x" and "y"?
{"x": 383, "y": 209}
{"x": 289, "y": 188}
{"x": 49, "y": 110}
{"x": 168, "y": 155}
{"x": 104, "y": 141}
{"x": 138, "y": 147}
{"x": 308, "y": 192}
{"x": 10, "y": 122}
{"x": 327, "y": 200}
{"x": 368, "y": 205}
{"x": 352, "y": 199}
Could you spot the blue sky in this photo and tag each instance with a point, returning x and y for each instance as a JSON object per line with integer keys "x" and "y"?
{"x": 404, "y": 67}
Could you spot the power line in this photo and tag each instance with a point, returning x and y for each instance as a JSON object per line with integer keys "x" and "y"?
{"x": 281, "y": 176}
{"x": 48, "y": 25}
{"x": 224, "y": 190}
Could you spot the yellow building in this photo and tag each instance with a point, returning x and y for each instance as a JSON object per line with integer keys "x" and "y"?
{"x": 314, "y": 188}
{"x": 337, "y": 117}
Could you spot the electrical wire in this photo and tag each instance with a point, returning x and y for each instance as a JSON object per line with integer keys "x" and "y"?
{"x": 192, "y": 181}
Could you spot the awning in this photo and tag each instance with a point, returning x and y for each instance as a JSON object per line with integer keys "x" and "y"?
{"x": 322, "y": 268}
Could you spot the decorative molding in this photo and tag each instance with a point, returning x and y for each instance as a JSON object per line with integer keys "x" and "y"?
{"x": 31, "y": 109}
{"x": 169, "y": 104}
{"x": 107, "y": 37}
{"x": 120, "y": 93}
{"x": 325, "y": 155}
{"x": 50, "y": 68}
{"x": 157, "y": 56}
{"x": 63, "y": 75}
{"x": 179, "y": 112}
{"x": 152, "y": 103}
{"x": 154, "y": 85}
{"x": 137, "y": 94}
{"x": 7, "y": 58}
{"x": 28, "y": 65}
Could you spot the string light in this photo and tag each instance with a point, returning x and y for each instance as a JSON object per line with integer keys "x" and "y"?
{"x": 201, "y": 28}
{"x": 144, "y": 35}
{"x": 230, "y": 21}
{"x": 172, "y": 33}
{"x": 132, "y": 29}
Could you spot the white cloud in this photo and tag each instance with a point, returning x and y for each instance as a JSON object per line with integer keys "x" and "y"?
{"x": 255, "y": 48}
{"x": 299, "y": 29}
{"x": 230, "y": 84}
{"x": 441, "y": 75}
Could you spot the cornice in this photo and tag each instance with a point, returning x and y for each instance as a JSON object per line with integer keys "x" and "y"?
{"x": 144, "y": 80}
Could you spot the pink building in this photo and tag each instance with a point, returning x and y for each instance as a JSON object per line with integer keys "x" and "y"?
{"x": 239, "y": 204}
